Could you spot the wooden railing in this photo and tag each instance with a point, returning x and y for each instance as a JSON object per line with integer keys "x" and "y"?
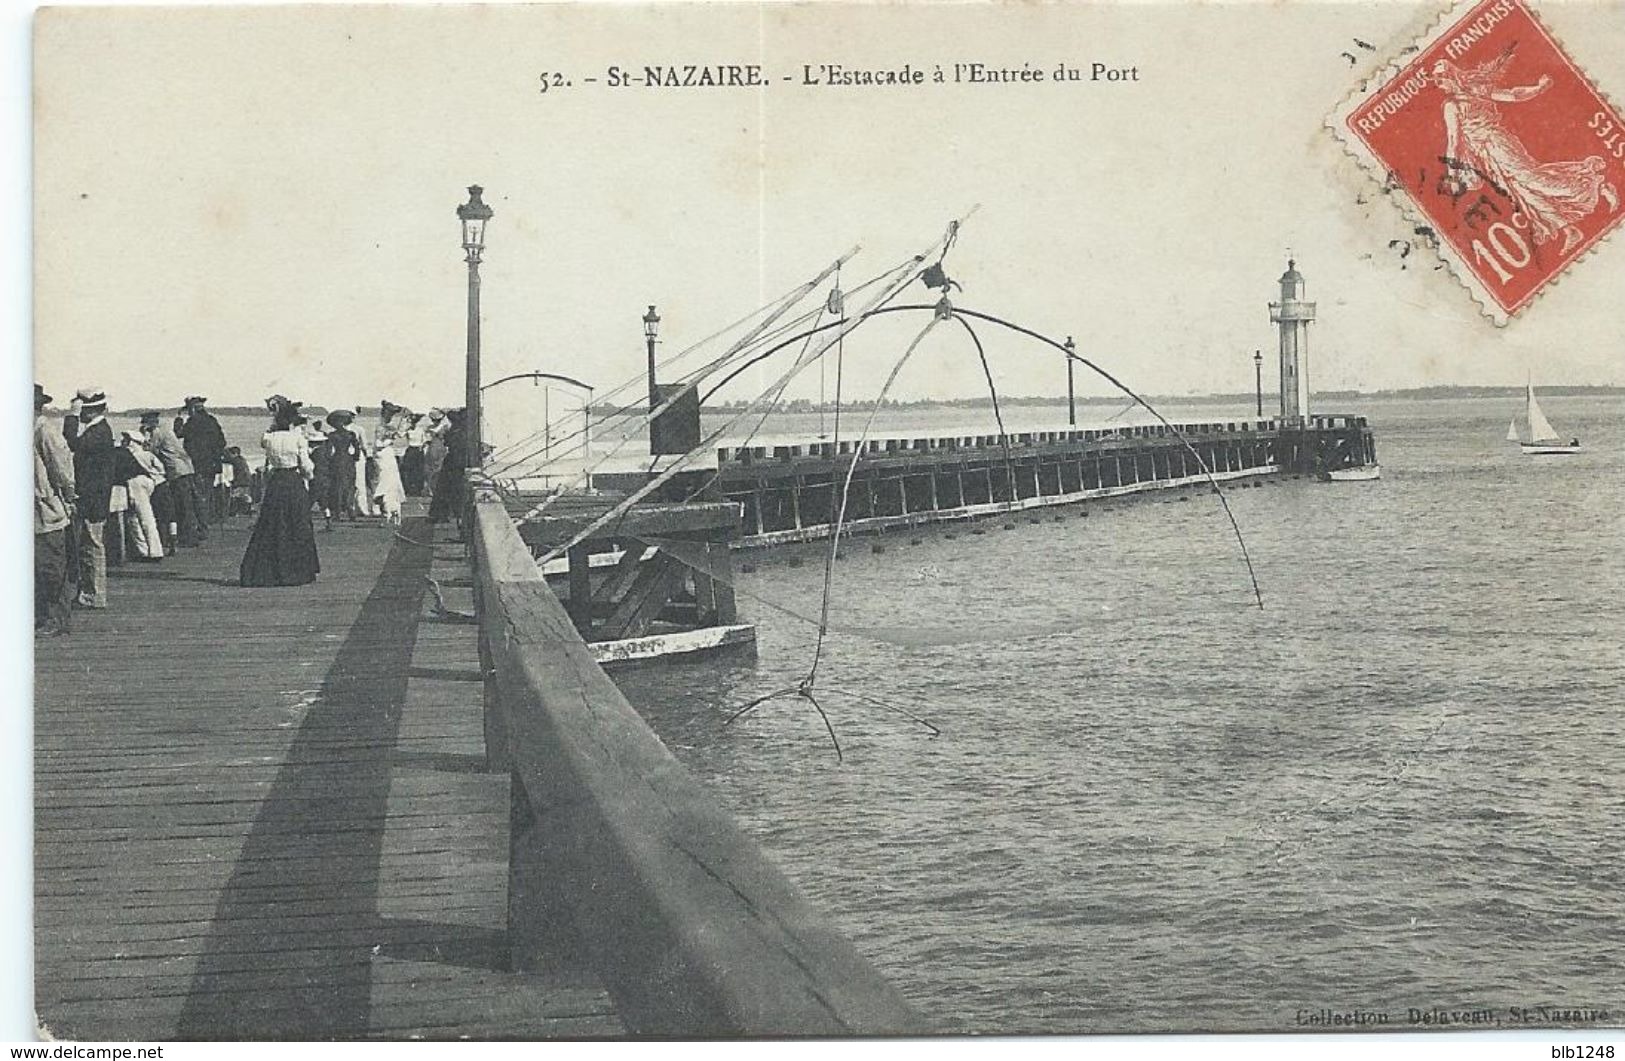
{"x": 620, "y": 860}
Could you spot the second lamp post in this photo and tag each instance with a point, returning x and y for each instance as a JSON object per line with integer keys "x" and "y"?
{"x": 651, "y": 329}
{"x": 473, "y": 214}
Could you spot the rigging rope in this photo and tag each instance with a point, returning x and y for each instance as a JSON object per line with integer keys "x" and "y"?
{"x": 777, "y": 310}
{"x": 846, "y": 489}
{"x": 794, "y": 295}
{"x": 889, "y": 291}
{"x": 1224, "y": 502}
{"x": 1004, "y": 437}
{"x": 1107, "y": 376}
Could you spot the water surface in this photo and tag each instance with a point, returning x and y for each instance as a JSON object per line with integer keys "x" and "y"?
{"x": 1153, "y": 807}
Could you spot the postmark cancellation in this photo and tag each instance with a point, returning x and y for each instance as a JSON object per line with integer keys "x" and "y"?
{"x": 1497, "y": 144}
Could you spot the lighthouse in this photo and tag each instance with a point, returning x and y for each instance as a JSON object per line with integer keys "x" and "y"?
{"x": 1293, "y": 315}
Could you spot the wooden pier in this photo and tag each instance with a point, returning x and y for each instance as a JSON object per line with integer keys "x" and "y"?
{"x": 349, "y": 810}
{"x": 261, "y": 813}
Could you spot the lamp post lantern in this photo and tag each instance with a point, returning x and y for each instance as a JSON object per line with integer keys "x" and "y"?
{"x": 1258, "y": 380}
{"x": 651, "y": 330}
{"x": 473, "y": 214}
{"x": 1071, "y": 402}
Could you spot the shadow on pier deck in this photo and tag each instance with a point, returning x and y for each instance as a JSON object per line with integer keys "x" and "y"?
{"x": 260, "y": 813}
{"x": 316, "y": 812}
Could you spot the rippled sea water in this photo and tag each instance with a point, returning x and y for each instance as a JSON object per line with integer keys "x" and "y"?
{"x": 1152, "y": 807}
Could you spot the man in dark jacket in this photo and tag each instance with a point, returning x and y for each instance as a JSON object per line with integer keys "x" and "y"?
{"x": 206, "y": 444}
{"x": 90, "y": 437}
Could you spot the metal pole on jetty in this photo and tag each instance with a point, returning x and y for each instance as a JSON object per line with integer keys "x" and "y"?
{"x": 1258, "y": 380}
{"x": 1071, "y": 403}
{"x": 473, "y": 214}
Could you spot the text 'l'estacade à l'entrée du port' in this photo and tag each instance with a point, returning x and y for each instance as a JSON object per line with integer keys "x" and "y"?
{"x": 837, "y": 75}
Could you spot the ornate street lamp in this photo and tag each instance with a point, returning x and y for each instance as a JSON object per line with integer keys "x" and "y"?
{"x": 1071, "y": 403}
{"x": 473, "y": 214}
{"x": 651, "y": 330}
{"x": 1258, "y": 379}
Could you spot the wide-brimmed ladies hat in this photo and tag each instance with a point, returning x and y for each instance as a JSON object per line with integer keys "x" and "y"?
{"x": 340, "y": 417}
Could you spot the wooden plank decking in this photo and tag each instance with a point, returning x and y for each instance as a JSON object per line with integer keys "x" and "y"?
{"x": 260, "y": 813}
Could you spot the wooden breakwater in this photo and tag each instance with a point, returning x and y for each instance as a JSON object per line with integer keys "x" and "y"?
{"x": 789, "y": 493}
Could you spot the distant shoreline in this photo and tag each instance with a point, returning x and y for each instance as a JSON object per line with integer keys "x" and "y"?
{"x": 1247, "y": 398}
{"x": 802, "y": 405}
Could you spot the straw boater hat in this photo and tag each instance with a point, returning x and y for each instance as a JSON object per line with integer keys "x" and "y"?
{"x": 194, "y": 400}
{"x": 91, "y": 398}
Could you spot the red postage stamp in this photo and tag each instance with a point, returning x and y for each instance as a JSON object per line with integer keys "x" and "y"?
{"x": 1512, "y": 161}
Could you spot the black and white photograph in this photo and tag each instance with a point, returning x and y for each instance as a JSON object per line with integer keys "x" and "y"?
{"x": 708, "y": 521}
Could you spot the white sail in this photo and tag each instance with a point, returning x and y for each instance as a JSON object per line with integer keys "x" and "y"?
{"x": 1512, "y": 430}
{"x": 1540, "y": 429}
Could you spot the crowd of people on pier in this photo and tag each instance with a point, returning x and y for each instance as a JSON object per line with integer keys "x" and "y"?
{"x": 327, "y": 465}
{"x": 103, "y": 499}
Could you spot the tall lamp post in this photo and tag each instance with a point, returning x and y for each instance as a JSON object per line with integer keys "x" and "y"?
{"x": 1071, "y": 403}
{"x": 1258, "y": 379}
{"x": 473, "y": 214}
{"x": 651, "y": 330}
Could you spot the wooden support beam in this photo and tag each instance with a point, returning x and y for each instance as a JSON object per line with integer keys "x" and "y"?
{"x": 648, "y": 594}
{"x": 719, "y": 591}
{"x": 614, "y": 587}
{"x": 580, "y": 580}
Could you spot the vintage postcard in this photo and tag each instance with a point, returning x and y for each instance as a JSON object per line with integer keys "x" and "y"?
{"x": 697, "y": 520}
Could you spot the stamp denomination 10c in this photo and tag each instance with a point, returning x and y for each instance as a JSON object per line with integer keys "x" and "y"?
{"x": 1502, "y": 147}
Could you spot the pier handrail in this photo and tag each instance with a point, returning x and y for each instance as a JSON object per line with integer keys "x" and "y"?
{"x": 621, "y": 859}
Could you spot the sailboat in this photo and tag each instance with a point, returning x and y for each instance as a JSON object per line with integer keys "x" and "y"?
{"x": 1543, "y": 437}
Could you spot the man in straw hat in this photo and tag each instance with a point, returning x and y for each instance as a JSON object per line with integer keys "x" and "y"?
{"x": 53, "y": 519}
{"x": 90, "y": 437}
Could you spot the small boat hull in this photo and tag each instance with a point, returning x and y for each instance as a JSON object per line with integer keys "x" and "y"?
{"x": 1546, "y": 449}
{"x": 1362, "y": 473}
{"x": 706, "y": 639}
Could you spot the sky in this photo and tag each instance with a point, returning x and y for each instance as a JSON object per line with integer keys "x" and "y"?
{"x": 240, "y": 202}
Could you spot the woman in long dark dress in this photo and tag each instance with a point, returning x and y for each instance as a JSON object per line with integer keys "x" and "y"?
{"x": 447, "y": 500}
{"x": 343, "y": 451}
{"x": 282, "y": 551}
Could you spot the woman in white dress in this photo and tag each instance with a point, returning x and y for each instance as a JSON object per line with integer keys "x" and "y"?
{"x": 389, "y": 491}
{"x": 140, "y": 521}
{"x": 363, "y": 495}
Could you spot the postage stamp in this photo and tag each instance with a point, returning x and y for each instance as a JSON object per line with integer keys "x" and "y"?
{"x": 1502, "y": 149}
